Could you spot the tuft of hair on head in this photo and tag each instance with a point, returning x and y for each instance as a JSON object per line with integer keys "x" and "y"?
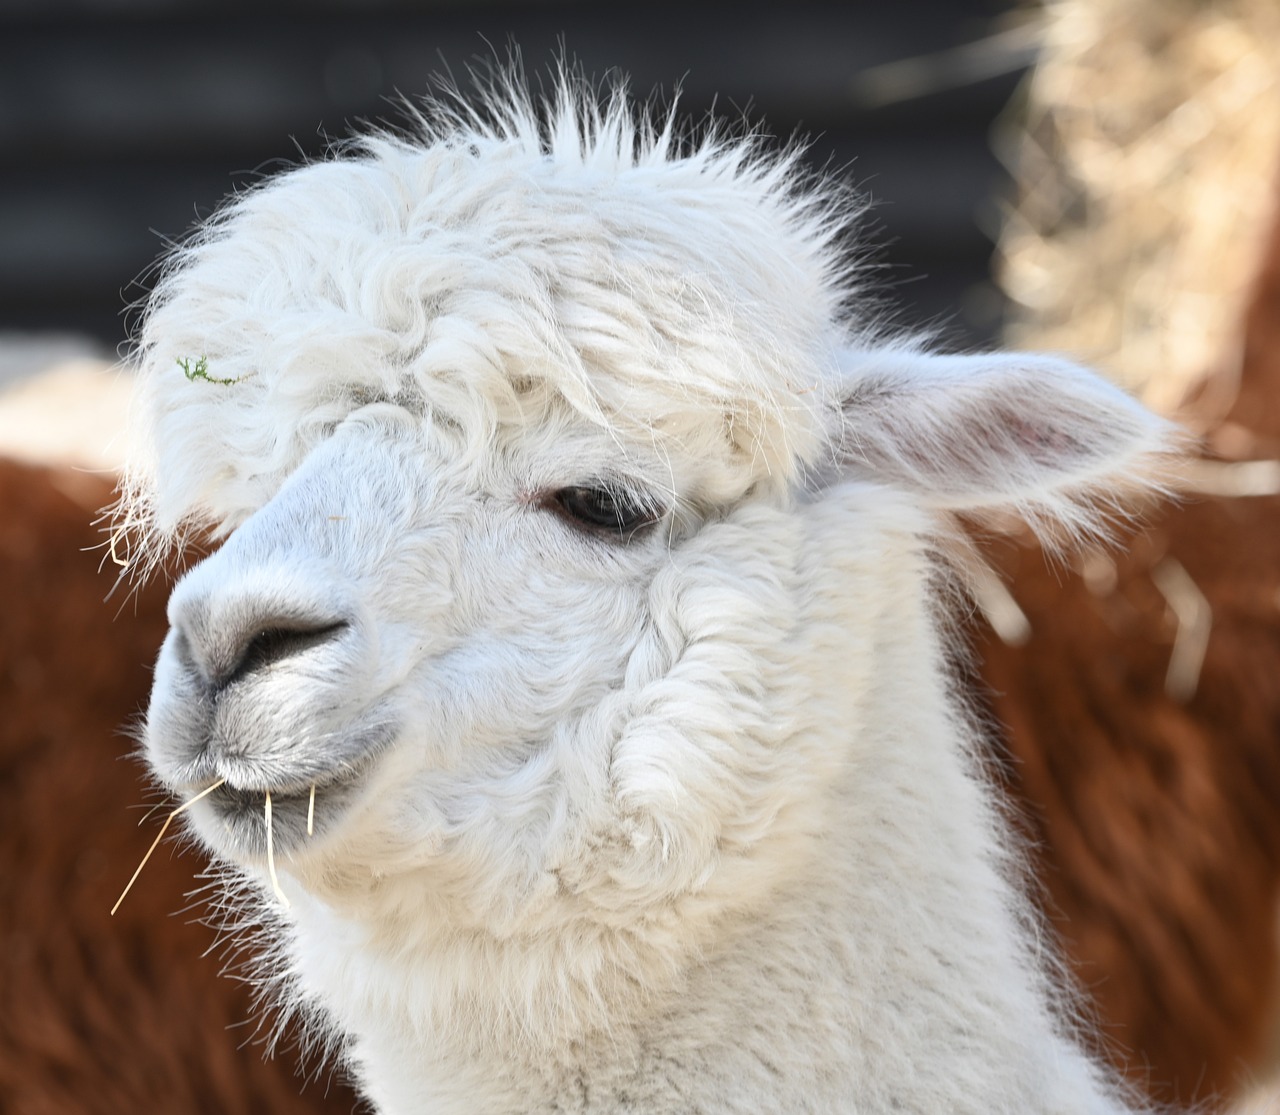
{"x": 205, "y": 453}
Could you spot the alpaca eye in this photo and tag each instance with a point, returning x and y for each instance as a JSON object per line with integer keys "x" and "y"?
{"x": 604, "y": 509}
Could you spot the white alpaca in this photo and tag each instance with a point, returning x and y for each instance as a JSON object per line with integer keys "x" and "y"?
{"x": 580, "y": 558}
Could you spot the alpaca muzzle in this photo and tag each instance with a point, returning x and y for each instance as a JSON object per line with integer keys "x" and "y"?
{"x": 265, "y": 681}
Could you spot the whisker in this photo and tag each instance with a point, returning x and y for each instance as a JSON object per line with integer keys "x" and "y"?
{"x": 311, "y": 811}
{"x": 160, "y": 836}
{"x": 271, "y": 856}
{"x": 147, "y": 815}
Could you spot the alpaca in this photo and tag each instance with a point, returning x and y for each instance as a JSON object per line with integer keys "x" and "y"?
{"x": 568, "y": 695}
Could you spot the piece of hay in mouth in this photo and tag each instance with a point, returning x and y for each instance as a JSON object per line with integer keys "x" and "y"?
{"x": 165, "y": 828}
{"x": 271, "y": 854}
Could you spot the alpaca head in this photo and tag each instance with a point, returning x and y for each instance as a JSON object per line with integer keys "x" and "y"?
{"x": 520, "y": 436}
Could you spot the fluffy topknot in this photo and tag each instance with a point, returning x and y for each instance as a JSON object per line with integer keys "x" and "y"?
{"x": 497, "y": 252}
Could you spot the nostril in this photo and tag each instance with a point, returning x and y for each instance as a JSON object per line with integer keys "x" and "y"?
{"x": 266, "y": 645}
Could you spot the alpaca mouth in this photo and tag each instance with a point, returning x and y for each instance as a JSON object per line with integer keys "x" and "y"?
{"x": 301, "y": 809}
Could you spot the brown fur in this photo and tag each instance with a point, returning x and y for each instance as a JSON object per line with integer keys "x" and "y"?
{"x": 100, "y": 1015}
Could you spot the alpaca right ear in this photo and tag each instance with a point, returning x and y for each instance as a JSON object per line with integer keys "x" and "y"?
{"x": 1018, "y": 430}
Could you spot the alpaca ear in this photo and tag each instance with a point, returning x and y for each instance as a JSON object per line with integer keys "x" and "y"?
{"x": 1018, "y": 430}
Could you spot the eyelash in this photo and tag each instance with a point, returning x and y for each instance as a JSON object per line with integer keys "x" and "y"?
{"x": 603, "y": 509}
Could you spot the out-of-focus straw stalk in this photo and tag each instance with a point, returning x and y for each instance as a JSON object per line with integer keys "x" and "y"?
{"x": 1144, "y": 151}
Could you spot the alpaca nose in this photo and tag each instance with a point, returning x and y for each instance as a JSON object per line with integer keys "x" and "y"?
{"x": 222, "y": 641}
{"x": 264, "y": 646}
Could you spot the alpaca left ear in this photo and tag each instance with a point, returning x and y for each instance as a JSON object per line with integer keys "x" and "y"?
{"x": 970, "y": 432}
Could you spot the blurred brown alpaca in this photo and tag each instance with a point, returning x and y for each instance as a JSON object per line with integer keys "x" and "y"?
{"x": 1158, "y": 816}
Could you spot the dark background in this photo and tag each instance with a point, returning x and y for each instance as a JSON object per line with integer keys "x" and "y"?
{"x": 123, "y": 121}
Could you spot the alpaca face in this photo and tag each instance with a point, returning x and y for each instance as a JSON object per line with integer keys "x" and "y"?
{"x": 472, "y": 664}
{"x": 380, "y": 601}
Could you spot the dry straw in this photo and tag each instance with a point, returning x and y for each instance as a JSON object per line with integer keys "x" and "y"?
{"x": 271, "y": 853}
{"x": 1144, "y": 151}
{"x": 160, "y": 836}
{"x": 267, "y": 820}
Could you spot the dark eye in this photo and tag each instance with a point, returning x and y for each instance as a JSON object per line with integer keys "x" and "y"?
{"x": 604, "y": 509}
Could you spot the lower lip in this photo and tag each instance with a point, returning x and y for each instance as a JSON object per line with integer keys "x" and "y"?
{"x": 294, "y": 817}
{"x": 297, "y": 815}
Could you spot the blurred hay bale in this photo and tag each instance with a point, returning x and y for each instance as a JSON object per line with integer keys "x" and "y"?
{"x": 1145, "y": 157}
